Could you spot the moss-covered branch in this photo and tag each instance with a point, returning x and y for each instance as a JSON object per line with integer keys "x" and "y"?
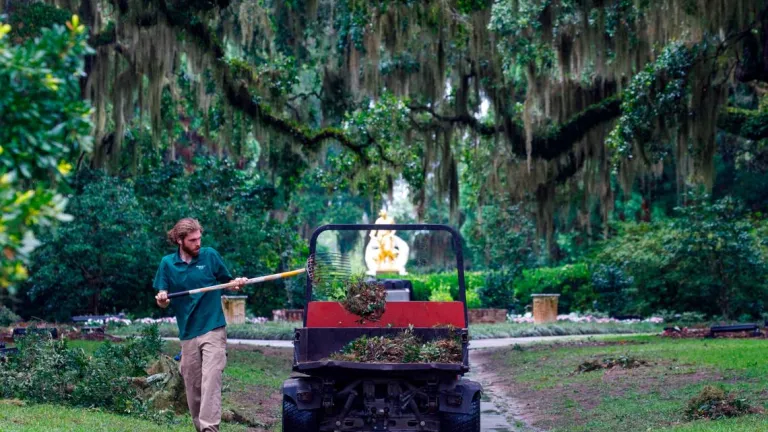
{"x": 744, "y": 123}
{"x": 236, "y": 88}
{"x": 547, "y": 145}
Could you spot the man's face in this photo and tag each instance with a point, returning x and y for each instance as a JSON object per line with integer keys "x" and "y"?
{"x": 191, "y": 243}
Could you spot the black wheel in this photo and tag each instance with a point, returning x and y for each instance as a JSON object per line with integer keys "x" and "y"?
{"x": 451, "y": 422}
{"x": 296, "y": 420}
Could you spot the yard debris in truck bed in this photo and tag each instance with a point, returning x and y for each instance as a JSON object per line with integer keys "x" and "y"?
{"x": 403, "y": 348}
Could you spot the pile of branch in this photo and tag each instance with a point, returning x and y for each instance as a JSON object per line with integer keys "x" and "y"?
{"x": 403, "y": 348}
{"x": 623, "y": 362}
{"x": 366, "y": 299}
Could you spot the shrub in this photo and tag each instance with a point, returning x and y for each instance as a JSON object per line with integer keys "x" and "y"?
{"x": 614, "y": 289}
{"x": 498, "y": 291}
{"x": 7, "y": 317}
{"x": 442, "y": 293}
{"x": 47, "y": 370}
{"x": 571, "y": 281}
{"x": 425, "y": 284}
{"x": 473, "y": 300}
{"x": 708, "y": 259}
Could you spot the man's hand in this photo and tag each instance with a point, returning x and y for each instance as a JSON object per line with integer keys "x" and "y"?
{"x": 162, "y": 299}
{"x": 239, "y": 283}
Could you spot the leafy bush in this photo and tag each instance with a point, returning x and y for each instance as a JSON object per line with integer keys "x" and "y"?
{"x": 441, "y": 294}
{"x": 571, "y": 281}
{"x": 498, "y": 290}
{"x": 707, "y": 260}
{"x": 45, "y": 126}
{"x": 614, "y": 288}
{"x": 425, "y": 284}
{"x": 48, "y": 371}
{"x": 473, "y": 300}
{"x": 7, "y": 317}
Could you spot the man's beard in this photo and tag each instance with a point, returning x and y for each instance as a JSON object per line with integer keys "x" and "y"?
{"x": 191, "y": 252}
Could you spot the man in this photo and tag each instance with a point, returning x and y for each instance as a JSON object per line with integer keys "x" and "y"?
{"x": 201, "y": 322}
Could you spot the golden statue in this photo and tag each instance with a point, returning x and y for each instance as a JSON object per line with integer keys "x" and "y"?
{"x": 386, "y": 252}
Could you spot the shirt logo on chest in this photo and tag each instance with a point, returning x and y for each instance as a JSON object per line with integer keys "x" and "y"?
{"x": 200, "y": 267}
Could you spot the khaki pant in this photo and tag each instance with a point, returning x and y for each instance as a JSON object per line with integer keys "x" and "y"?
{"x": 202, "y": 362}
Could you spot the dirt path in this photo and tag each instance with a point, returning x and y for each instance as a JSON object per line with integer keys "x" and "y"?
{"x": 498, "y": 408}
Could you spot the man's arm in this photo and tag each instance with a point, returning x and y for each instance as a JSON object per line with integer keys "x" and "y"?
{"x": 161, "y": 284}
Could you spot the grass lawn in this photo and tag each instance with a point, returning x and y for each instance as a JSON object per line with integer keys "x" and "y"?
{"x": 556, "y": 397}
{"x": 562, "y": 328}
{"x": 251, "y": 388}
{"x": 284, "y": 330}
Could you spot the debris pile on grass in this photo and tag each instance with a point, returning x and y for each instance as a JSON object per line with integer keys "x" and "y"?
{"x": 699, "y": 333}
{"x": 715, "y": 403}
{"x": 624, "y": 362}
{"x": 366, "y": 299}
{"x": 403, "y": 348}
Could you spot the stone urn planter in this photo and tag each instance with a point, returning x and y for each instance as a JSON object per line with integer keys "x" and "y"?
{"x": 487, "y": 316}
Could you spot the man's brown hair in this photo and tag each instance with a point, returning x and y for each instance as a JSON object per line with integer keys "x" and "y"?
{"x": 182, "y": 229}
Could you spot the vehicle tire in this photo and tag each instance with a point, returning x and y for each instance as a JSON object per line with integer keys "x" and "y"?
{"x": 452, "y": 422}
{"x": 296, "y": 420}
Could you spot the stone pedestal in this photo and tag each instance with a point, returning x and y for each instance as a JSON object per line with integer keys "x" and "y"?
{"x": 545, "y": 308}
{"x": 234, "y": 308}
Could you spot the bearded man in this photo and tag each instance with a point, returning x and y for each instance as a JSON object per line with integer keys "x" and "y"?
{"x": 200, "y": 318}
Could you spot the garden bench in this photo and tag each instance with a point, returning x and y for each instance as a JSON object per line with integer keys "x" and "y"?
{"x": 89, "y": 330}
{"x": 754, "y": 328}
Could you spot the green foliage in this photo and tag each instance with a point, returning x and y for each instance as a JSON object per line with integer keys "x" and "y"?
{"x": 470, "y": 6}
{"x": 502, "y": 236}
{"x": 498, "y": 290}
{"x": 48, "y": 371}
{"x": 441, "y": 294}
{"x": 656, "y": 94}
{"x": 425, "y": 284}
{"x": 99, "y": 262}
{"x": 614, "y": 289}
{"x": 473, "y": 300}
{"x": 45, "y": 125}
{"x": 750, "y": 124}
{"x": 717, "y": 256}
{"x": 103, "y": 260}
{"x": 571, "y": 281}
{"x": 28, "y": 20}
{"x": 7, "y": 317}
{"x": 705, "y": 260}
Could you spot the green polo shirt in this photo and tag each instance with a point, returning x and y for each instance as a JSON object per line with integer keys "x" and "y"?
{"x": 196, "y": 314}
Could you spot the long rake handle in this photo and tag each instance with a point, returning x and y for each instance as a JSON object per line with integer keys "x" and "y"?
{"x": 231, "y": 284}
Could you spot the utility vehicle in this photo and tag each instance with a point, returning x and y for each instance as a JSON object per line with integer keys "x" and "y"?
{"x": 330, "y": 395}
